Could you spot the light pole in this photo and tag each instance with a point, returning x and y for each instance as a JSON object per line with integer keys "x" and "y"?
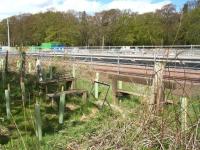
{"x": 8, "y": 32}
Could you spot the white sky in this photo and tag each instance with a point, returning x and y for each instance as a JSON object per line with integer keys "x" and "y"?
{"x": 15, "y": 7}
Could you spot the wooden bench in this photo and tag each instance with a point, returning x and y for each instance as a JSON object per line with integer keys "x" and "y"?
{"x": 123, "y": 92}
{"x": 67, "y": 81}
{"x": 69, "y": 92}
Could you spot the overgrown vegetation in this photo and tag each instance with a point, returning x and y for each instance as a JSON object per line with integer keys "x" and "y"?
{"x": 90, "y": 126}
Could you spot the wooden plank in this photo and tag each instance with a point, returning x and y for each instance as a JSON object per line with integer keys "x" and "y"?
{"x": 57, "y": 80}
{"x": 191, "y": 90}
{"x": 179, "y": 88}
{"x": 75, "y": 91}
{"x": 130, "y": 93}
{"x": 134, "y": 79}
{"x": 170, "y": 84}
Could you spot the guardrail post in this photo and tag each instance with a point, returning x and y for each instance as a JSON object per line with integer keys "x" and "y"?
{"x": 157, "y": 96}
{"x": 184, "y": 105}
{"x": 96, "y": 86}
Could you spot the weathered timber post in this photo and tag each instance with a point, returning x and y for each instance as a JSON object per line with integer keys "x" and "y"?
{"x": 3, "y": 74}
{"x": 22, "y": 75}
{"x": 62, "y": 88}
{"x": 157, "y": 96}
{"x": 44, "y": 74}
{"x": 84, "y": 97}
{"x": 38, "y": 122}
{"x": 6, "y": 62}
{"x": 38, "y": 70}
{"x": 73, "y": 86}
{"x": 96, "y": 86}
{"x": 184, "y": 107}
{"x": 18, "y": 65}
{"x": 8, "y": 87}
{"x": 50, "y": 72}
{"x": 2, "y": 64}
{"x": 29, "y": 67}
{"x": 114, "y": 91}
{"x": 23, "y": 66}
{"x": 73, "y": 70}
{"x": 120, "y": 85}
{"x": 61, "y": 108}
{"x": 23, "y": 91}
{"x": 7, "y": 97}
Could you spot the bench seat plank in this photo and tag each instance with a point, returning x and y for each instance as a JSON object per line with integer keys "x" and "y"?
{"x": 74, "y": 91}
{"x": 129, "y": 93}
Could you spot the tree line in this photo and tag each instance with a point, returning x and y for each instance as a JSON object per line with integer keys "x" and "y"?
{"x": 165, "y": 26}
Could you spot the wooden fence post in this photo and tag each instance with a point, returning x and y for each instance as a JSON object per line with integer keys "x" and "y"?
{"x": 120, "y": 85}
{"x": 73, "y": 70}
{"x": 114, "y": 91}
{"x": 18, "y": 65}
{"x": 38, "y": 69}
{"x": 51, "y": 72}
{"x": 74, "y": 76}
{"x": 61, "y": 108}
{"x": 2, "y": 64}
{"x": 3, "y": 74}
{"x": 184, "y": 105}
{"x": 29, "y": 67}
{"x": 38, "y": 121}
{"x": 157, "y": 96}
{"x": 96, "y": 86}
{"x": 7, "y": 97}
{"x": 6, "y": 62}
{"x": 23, "y": 91}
